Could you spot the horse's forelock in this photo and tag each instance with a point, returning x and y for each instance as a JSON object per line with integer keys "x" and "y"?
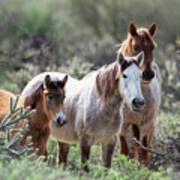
{"x": 144, "y": 33}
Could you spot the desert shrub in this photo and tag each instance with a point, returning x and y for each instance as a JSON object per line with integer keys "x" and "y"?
{"x": 122, "y": 167}
{"x": 166, "y": 143}
{"x": 76, "y": 68}
{"x": 34, "y": 19}
{"x": 111, "y": 18}
{"x": 169, "y": 64}
{"x": 26, "y": 169}
{"x": 19, "y": 79}
{"x": 10, "y": 137}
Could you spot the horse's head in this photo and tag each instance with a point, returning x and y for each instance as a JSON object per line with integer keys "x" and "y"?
{"x": 129, "y": 78}
{"x": 53, "y": 98}
{"x": 141, "y": 39}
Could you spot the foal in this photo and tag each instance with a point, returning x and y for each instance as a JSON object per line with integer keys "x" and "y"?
{"x": 92, "y": 108}
{"x": 46, "y": 96}
{"x": 142, "y": 122}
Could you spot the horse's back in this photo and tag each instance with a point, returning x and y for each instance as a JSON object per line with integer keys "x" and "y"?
{"x": 40, "y": 78}
{"x": 5, "y": 103}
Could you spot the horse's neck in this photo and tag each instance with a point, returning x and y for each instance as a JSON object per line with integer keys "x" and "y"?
{"x": 39, "y": 119}
{"x": 106, "y": 82}
{"x": 125, "y": 48}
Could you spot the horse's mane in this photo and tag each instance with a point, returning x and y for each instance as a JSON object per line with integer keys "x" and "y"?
{"x": 106, "y": 82}
{"x": 33, "y": 95}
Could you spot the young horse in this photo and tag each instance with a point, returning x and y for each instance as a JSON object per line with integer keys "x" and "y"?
{"x": 92, "y": 108}
{"x": 142, "y": 122}
{"x": 46, "y": 96}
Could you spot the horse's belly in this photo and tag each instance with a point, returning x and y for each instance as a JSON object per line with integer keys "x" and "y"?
{"x": 104, "y": 133}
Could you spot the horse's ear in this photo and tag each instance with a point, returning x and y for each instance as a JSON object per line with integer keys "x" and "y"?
{"x": 152, "y": 29}
{"x": 121, "y": 58}
{"x": 132, "y": 29}
{"x": 64, "y": 80}
{"x": 140, "y": 58}
{"x": 122, "y": 61}
{"x": 47, "y": 80}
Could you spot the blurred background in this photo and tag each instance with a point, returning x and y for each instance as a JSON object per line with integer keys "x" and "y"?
{"x": 77, "y": 36}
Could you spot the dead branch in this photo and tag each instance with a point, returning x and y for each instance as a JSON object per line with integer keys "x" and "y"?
{"x": 147, "y": 149}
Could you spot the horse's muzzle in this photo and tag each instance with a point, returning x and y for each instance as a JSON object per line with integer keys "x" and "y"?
{"x": 148, "y": 75}
{"x": 137, "y": 104}
{"x": 60, "y": 119}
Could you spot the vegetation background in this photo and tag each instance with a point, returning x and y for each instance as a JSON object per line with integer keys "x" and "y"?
{"x": 77, "y": 36}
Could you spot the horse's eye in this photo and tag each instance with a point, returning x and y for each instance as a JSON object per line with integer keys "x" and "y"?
{"x": 124, "y": 76}
{"x": 50, "y": 97}
{"x": 136, "y": 48}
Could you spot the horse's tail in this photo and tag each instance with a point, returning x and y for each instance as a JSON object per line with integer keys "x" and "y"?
{"x": 5, "y": 103}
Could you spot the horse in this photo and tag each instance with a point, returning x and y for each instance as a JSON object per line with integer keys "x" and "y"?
{"x": 92, "y": 108}
{"x": 141, "y": 122}
{"x": 141, "y": 39}
{"x": 46, "y": 97}
{"x": 5, "y": 103}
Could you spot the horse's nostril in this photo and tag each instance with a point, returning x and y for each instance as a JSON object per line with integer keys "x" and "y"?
{"x": 60, "y": 120}
{"x": 141, "y": 102}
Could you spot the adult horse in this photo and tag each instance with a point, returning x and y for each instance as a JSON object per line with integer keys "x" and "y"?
{"x": 46, "y": 96}
{"x": 92, "y": 108}
{"x": 142, "y": 122}
{"x": 5, "y": 103}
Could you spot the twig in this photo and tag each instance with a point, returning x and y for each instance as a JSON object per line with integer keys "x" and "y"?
{"x": 147, "y": 149}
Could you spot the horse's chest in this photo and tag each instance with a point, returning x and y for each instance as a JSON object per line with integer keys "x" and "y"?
{"x": 142, "y": 116}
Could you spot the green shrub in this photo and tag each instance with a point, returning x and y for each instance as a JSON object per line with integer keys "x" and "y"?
{"x": 76, "y": 68}
{"x": 34, "y": 18}
{"x": 31, "y": 170}
{"x": 9, "y": 144}
{"x": 19, "y": 79}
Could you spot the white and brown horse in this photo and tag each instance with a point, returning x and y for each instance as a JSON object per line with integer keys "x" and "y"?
{"x": 92, "y": 108}
{"x": 141, "y": 124}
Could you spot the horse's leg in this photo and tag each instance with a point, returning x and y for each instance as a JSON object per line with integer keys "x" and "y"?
{"x": 146, "y": 142}
{"x": 123, "y": 145}
{"x": 143, "y": 152}
{"x": 107, "y": 152}
{"x": 85, "y": 152}
{"x": 62, "y": 153}
{"x": 122, "y": 138}
{"x": 40, "y": 142}
{"x": 136, "y": 134}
